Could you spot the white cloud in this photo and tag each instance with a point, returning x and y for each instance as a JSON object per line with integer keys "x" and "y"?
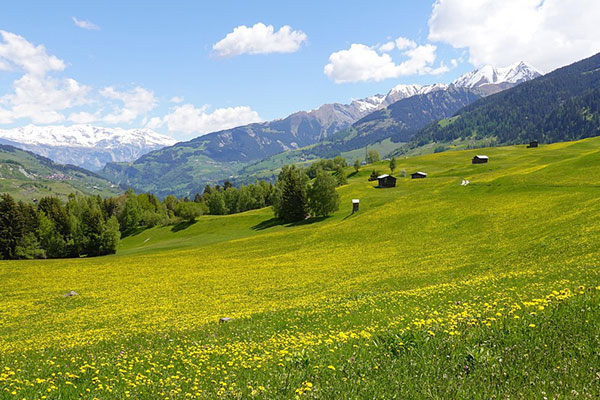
{"x": 362, "y": 63}
{"x": 387, "y": 47}
{"x": 547, "y": 34}
{"x": 176, "y": 99}
{"x": 19, "y": 54}
{"x": 259, "y": 39}
{"x": 37, "y": 96}
{"x": 136, "y": 102}
{"x": 405, "y": 43}
{"x": 85, "y": 24}
{"x": 198, "y": 121}
{"x": 42, "y": 98}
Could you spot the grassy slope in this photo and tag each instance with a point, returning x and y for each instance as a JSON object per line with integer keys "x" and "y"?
{"x": 26, "y": 176}
{"x": 426, "y": 270}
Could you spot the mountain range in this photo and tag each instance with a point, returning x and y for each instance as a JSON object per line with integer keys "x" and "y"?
{"x": 86, "y": 146}
{"x": 559, "y": 106}
{"x": 329, "y": 129}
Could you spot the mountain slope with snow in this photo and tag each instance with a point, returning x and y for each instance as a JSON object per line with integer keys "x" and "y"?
{"x": 85, "y": 145}
{"x": 489, "y": 79}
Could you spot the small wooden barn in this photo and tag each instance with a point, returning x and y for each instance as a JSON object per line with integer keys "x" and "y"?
{"x": 480, "y": 159}
{"x": 386, "y": 181}
{"x": 533, "y": 143}
{"x": 418, "y": 175}
{"x": 355, "y": 205}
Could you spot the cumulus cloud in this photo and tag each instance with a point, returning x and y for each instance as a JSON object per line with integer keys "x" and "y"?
{"x": 16, "y": 53}
{"x": 387, "y": 47}
{"x": 85, "y": 24}
{"x": 176, "y": 99}
{"x": 136, "y": 102}
{"x": 404, "y": 43}
{"x": 198, "y": 121}
{"x": 44, "y": 98}
{"x": 545, "y": 33}
{"x": 363, "y": 63}
{"x": 259, "y": 39}
{"x": 37, "y": 96}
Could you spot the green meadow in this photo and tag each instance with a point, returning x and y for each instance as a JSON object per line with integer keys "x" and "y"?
{"x": 432, "y": 289}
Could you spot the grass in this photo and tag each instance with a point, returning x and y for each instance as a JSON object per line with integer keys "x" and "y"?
{"x": 431, "y": 290}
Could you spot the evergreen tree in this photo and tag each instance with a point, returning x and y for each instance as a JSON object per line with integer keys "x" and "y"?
{"x": 291, "y": 194}
{"x": 54, "y": 209}
{"x": 10, "y": 227}
{"x": 28, "y": 247}
{"x": 322, "y": 196}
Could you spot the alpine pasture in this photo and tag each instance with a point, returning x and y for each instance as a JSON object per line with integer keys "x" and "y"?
{"x": 432, "y": 290}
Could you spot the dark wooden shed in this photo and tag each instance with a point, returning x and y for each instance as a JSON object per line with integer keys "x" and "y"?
{"x": 386, "y": 181}
{"x": 533, "y": 143}
{"x": 480, "y": 159}
{"x": 418, "y": 175}
{"x": 355, "y": 205}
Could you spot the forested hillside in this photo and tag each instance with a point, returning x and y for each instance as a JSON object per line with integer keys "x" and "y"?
{"x": 562, "y": 105}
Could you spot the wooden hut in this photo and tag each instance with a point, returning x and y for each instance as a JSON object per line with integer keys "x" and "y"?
{"x": 480, "y": 159}
{"x": 418, "y": 175}
{"x": 533, "y": 143}
{"x": 355, "y": 204}
{"x": 386, "y": 181}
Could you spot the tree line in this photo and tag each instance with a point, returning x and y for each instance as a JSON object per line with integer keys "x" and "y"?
{"x": 93, "y": 226}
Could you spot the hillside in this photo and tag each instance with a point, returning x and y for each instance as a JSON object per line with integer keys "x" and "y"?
{"x": 26, "y": 175}
{"x": 241, "y": 154}
{"x": 562, "y": 105}
{"x": 496, "y": 281}
{"x": 398, "y": 122}
{"x": 188, "y": 166}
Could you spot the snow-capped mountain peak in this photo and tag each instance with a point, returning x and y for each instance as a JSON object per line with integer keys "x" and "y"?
{"x": 489, "y": 75}
{"x": 85, "y": 136}
{"x": 86, "y": 145}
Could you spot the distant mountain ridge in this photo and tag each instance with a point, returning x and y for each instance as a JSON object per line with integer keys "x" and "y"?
{"x": 87, "y": 146}
{"x": 188, "y": 166}
{"x": 560, "y": 106}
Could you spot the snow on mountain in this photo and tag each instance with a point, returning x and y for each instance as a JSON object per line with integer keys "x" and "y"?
{"x": 400, "y": 92}
{"x": 489, "y": 75}
{"x": 85, "y": 136}
{"x": 85, "y": 145}
{"x": 369, "y": 104}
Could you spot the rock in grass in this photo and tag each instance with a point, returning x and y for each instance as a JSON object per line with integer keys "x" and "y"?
{"x": 71, "y": 294}
{"x": 224, "y": 319}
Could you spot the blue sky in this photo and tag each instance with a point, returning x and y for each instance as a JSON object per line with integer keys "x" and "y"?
{"x": 148, "y": 52}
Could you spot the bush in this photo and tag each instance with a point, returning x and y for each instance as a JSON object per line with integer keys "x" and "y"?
{"x": 188, "y": 211}
{"x": 374, "y": 175}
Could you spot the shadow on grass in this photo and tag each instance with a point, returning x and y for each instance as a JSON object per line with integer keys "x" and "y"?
{"x": 182, "y": 225}
{"x": 133, "y": 232}
{"x": 270, "y": 223}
